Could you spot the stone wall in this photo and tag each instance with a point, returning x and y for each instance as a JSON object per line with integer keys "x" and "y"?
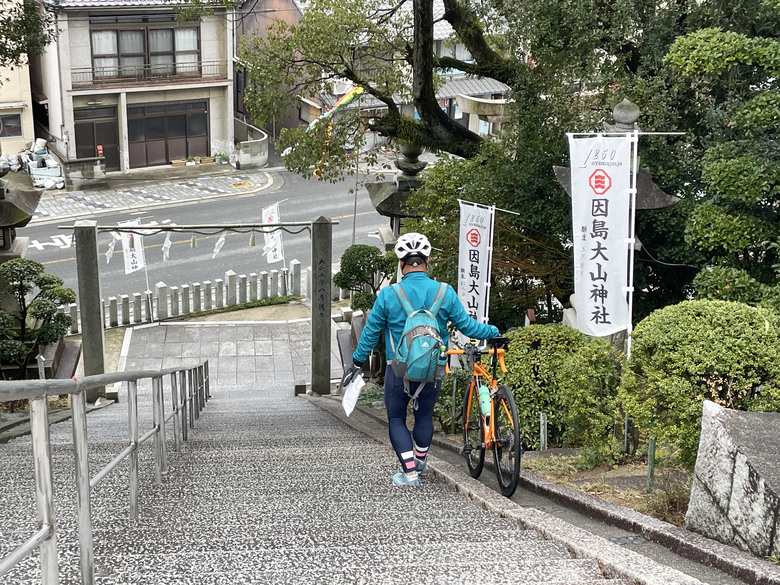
{"x": 735, "y": 496}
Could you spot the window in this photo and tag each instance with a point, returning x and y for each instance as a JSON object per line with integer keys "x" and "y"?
{"x": 10, "y": 125}
{"x": 143, "y": 46}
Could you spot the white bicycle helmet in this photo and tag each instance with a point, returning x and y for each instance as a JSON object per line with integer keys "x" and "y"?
{"x": 412, "y": 244}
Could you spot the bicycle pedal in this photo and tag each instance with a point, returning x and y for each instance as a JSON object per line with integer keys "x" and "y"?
{"x": 467, "y": 449}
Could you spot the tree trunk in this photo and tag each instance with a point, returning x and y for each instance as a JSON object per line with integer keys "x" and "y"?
{"x": 440, "y": 127}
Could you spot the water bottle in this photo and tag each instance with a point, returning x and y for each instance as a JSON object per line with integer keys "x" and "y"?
{"x": 484, "y": 400}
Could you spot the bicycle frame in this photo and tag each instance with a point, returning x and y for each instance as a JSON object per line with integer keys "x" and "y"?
{"x": 479, "y": 374}
{"x": 497, "y": 431}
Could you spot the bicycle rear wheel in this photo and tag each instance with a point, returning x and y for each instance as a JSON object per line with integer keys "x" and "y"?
{"x": 507, "y": 450}
{"x": 473, "y": 432}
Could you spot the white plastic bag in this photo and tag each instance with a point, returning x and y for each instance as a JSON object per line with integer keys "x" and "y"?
{"x": 352, "y": 393}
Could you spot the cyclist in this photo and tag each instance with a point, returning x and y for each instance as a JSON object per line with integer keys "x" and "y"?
{"x": 388, "y": 317}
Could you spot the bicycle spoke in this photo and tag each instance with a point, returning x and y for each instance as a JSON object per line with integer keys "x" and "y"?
{"x": 507, "y": 450}
{"x": 473, "y": 432}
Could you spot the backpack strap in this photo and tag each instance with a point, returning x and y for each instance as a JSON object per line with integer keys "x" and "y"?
{"x": 438, "y": 300}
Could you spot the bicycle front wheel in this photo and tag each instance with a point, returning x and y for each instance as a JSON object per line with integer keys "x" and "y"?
{"x": 507, "y": 449}
{"x": 473, "y": 432}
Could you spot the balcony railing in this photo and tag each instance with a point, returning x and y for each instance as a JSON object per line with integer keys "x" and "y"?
{"x": 164, "y": 73}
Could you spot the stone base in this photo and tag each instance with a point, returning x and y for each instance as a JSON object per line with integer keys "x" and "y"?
{"x": 735, "y": 497}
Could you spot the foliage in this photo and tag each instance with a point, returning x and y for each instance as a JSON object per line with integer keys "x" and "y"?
{"x": 733, "y": 71}
{"x": 589, "y": 380}
{"x": 387, "y": 50}
{"x": 34, "y": 321}
{"x": 364, "y": 268}
{"x": 535, "y": 360}
{"x": 26, "y": 31}
{"x": 727, "y": 283}
{"x": 442, "y": 410}
{"x": 700, "y": 350}
{"x": 529, "y": 259}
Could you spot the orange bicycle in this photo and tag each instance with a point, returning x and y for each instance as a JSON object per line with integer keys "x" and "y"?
{"x": 490, "y": 416}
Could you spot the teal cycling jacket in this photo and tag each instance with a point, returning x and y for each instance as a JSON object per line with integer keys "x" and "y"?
{"x": 387, "y": 316}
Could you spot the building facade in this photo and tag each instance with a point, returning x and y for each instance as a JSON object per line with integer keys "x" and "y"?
{"x": 128, "y": 82}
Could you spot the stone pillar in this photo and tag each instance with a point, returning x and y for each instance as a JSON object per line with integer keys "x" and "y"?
{"x": 162, "y": 300}
{"x": 93, "y": 341}
{"x": 322, "y": 262}
{"x": 230, "y": 284}
{"x": 295, "y": 278}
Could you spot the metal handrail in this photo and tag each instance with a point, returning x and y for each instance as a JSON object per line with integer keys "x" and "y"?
{"x": 190, "y": 389}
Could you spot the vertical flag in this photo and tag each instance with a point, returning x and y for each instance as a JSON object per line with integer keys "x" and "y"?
{"x": 132, "y": 248}
{"x": 273, "y": 250}
{"x": 602, "y": 200}
{"x": 475, "y": 251}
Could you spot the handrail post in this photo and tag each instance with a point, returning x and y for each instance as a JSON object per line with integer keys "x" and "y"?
{"x": 44, "y": 493}
{"x": 201, "y": 389}
{"x": 132, "y": 415}
{"x": 195, "y": 393}
{"x": 185, "y": 403}
{"x": 206, "y": 376}
{"x": 156, "y": 423}
{"x": 175, "y": 404}
{"x": 78, "y": 404}
{"x": 158, "y": 381}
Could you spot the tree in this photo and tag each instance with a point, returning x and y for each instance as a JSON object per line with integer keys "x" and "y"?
{"x": 364, "y": 268}
{"x": 34, "y": 322}
{"x": 737, "y": 220}
{"x": 25, "y": 30}
{"x": 384, "y": 48}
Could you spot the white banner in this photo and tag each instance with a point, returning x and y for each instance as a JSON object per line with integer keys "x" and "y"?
{"x": 132, "y": 248}
{"x": 475, "y": 251}
{"x": 273, "y": 250}
{"x": 601, "y": 206}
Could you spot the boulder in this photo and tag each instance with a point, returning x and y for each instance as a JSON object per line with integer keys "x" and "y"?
{"x": 735, "y": 495}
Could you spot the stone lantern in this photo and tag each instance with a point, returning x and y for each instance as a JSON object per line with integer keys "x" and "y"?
{"x": 389, "y": 198}
{"x": 16, "y": 210}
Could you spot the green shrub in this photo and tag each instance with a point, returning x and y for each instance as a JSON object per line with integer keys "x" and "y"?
{"x": 535, "y": 358}
{"x": 442, "y": 410}
{"x": 588, "y": 383}
{"x": 700, "y": 350}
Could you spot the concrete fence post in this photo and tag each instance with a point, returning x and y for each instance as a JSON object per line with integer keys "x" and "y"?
{"x": 196, "y": 303}
{"x": 283, "y": 283}
{"x": 273, "y": 282}
{"x": 174, "y": 301}
{"x": 219, "y": 285}
{"x": 295, "y": 278}
{"x": 137, "y": 304}
{"x": 230, "y": 284}
{"x": 242, "y": 296}
{"x": 125, "y": 302}
{"x": 253, "y": 286}
{"x": 162, "y": 300}
{"x": 263, "y": 285}
{"x": 207, "y": 295}
{"x": 113, "y": 312}
{"x": 335, "y": 292}
{"x": 185, "y": 299}
{"x": 74, "y": 315}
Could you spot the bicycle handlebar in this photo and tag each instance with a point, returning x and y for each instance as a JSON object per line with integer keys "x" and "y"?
{"x": 477, "y": 352}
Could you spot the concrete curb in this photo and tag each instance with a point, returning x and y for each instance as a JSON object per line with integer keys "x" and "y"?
{"x": 687, "y": 544}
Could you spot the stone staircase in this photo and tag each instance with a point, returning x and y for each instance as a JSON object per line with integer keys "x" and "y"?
{"x": 271, "y": 489}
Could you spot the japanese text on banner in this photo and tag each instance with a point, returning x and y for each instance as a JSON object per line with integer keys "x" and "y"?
{"x": 474, "y": 255}
{"x": 601, "y": 196}
{"x": 273, "y": 250}
{"x": 132, "y": 248}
